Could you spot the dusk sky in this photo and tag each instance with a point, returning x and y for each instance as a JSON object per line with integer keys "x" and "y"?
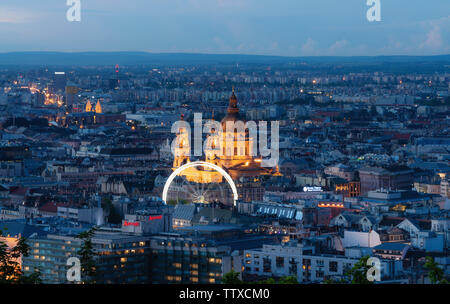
{"x": 269, "y": 27}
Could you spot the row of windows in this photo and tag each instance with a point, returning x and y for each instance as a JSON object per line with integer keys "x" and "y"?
{"x": 179, "y": 244}
{"x": 192, "y": 279}
{"x": 280, "y": 263}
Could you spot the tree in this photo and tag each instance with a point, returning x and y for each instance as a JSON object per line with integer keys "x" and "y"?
{"x": 231, "y": 277}
{"x": 113, "y": 216}
{"x": 288, "y": 280}
{"x": 435, "y": 273}
{"x": 268, "y": 281}
{"x": 87, "y": 254}
{"x": 358, "y": 273}
{"x": 10, "y": 270}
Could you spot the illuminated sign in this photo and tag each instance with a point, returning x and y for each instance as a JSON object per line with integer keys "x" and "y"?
{"x": 330, "y": 205}
{"x": 311, "y": 189}
{"x": 156, "y": 217}
{"x": 126, "y": 223}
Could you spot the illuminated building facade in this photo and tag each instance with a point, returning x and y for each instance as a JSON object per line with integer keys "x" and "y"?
{"x": 228, "y": 148}
{"x": 97, "y": 109}
{"x": 304, "y": 263}
{"x": 202, "y": 254}
{"x": 350, "y": 189}
{"x": 186, "y": 260}
{"x": 121, "y": 258}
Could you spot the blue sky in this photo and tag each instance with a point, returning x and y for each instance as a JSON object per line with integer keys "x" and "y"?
{"x": 269, "y": 27}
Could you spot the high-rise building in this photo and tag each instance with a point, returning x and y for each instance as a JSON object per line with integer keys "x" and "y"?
{"x": 121, "y": 258}
{"x": 59, "y": 81}
{"x": 71, "y": 94}
{"x": 201, "y": 254}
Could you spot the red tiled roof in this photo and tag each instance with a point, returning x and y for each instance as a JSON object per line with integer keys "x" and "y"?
{"x": 51, "y": 206}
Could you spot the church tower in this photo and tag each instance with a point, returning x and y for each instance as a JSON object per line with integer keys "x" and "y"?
{"x": 182, "y": 148}
{"x": 98, "y": 107}
{"x": 236, "y": 144}
{"x": 88, "y": 106}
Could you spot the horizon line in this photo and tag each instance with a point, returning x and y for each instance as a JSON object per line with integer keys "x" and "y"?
{"x": 219, "y": 54}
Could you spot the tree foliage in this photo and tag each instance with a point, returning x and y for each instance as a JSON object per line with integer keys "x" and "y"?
{"x": 113, "y": 216}
{"x": 10, "y": 269}
{"x": 288, "y": 280}
{"x": 87, "y": 254}
{"x": 358, "y": 273}
{"x": 435, "y": 273}
{"x": 231, "y": 277}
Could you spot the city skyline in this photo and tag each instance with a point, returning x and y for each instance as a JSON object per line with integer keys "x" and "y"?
{"x": 234, "y": 142}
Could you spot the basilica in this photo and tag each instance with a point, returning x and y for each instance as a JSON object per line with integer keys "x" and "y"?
{"x": 228, "y": 149}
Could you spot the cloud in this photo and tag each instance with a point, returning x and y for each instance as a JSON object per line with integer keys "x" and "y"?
{"x": 433, "y": 39}
{"x": 436, "y": 37}
{"x": 337, "y": 47}
{"x": 309, "y": 47}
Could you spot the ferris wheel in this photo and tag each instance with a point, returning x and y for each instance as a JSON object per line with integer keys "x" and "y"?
{"x": 178, "y": 189}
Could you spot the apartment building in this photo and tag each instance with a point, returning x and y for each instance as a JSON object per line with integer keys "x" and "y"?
{"x": 307, "y": 265}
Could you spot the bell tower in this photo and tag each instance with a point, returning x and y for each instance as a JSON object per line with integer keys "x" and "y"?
{"x": 182, "y": 148}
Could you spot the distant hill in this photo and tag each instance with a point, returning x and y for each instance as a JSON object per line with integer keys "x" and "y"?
{"x": 143, "y": 58}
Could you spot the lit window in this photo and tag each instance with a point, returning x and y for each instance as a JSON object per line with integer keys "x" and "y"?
{"x": 123, "y": 260}
{"x": 212, "y": 280}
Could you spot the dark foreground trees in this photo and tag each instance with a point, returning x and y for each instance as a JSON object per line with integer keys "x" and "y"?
{"x": 10, "y": 270}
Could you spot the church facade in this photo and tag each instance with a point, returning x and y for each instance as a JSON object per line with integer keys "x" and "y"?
{"x": 229, "y": 148}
